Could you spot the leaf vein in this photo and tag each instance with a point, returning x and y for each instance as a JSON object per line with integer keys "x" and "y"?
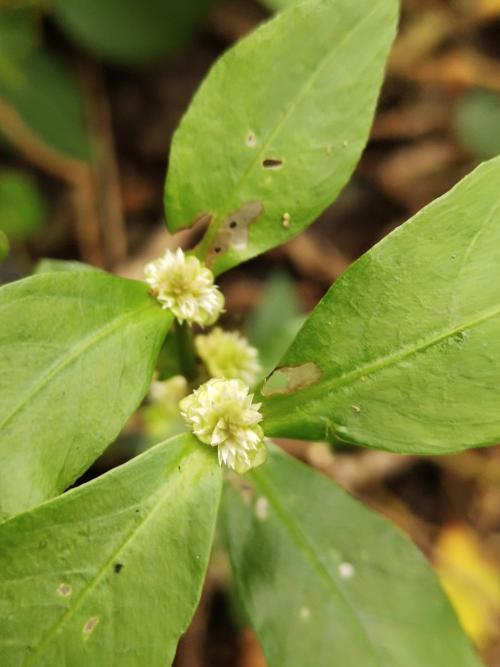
{"x": 303, "y": 543}
{"x": 280, "y": 124}
{"x": 164, "y": 493}
{"x": 67, "y": 359}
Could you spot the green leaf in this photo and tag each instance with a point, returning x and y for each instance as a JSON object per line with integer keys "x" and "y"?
{"x": 278, "y": 126}
{"x": 169, "y": 361}
{"x": 111, "y": 572}
{"x": 477, "y": 122}
{"x": 19, "y": 36}
{"x": 4, "y": 246}
{"x": 129, "y": 31}
{"x": 403, "y": 353}
{"x": 274, "y": 324}
{"x": 46, "y": 98}
{"x": 278, "y": 5}
{"x": 22, "y": 208}
{"x": 325, "y": 582}
{"x": 47, "y": 265}
{"x": 78, "y": 352}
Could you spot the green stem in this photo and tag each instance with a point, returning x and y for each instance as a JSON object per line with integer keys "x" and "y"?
{"x": 185, "y": 346}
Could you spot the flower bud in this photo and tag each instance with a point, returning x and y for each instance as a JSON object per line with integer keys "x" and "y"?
{"x": 227, "y": 354}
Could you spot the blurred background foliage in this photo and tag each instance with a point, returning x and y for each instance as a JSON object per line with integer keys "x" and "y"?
{"x": 90, "y": 94}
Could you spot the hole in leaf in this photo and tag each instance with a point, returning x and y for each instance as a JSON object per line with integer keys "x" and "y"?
{"x": 233, "y": 232}
{"x": 272, "y": 163}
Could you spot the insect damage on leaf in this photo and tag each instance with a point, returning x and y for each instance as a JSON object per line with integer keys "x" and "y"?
{"x": 64, "y": 590}
{"x": 233, "y": 232}
{"x": 89, "y": 626}
{"x": 272, "y": 163}
{"x": 202, "y": 220}
{"x": 346, "y": 570}
{"x": 287, "y": 379}
{"x": 262, "y": 508}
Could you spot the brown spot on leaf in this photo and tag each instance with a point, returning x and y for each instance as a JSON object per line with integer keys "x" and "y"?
{"x": 288, "y": 379}
{"x": 64, "y": 590}
{"x": 272, "y": 163}
{"x": 233, "y": 232}
{"x": 89, "y": 626}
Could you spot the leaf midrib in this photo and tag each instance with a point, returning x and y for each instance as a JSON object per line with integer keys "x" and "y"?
{"x": 274, "y": 131}
{"x": 67, "y": 359}
{"x": 324, "y": 387}
{"x": 309, "y": 552}
{"x": 89, "y": 587}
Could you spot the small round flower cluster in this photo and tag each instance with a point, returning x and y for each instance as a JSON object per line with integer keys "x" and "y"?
{"x": 227, "y": 354}
{"x": 169, "y": 392}
{"x": 221, "y": 414}
{"x": 186, "y": 287}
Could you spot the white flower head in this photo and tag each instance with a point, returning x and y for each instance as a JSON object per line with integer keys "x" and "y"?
{"x": 221, "y": 414}
{"x": 182, "y": 284}
{"x": 227, "y": 354}
{"x": 169, "y": 391}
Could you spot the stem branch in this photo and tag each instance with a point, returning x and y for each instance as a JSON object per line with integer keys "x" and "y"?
{"x": 185, "y": 346}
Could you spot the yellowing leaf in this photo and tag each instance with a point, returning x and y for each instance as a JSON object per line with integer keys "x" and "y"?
{"x": 472, "y": 582}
